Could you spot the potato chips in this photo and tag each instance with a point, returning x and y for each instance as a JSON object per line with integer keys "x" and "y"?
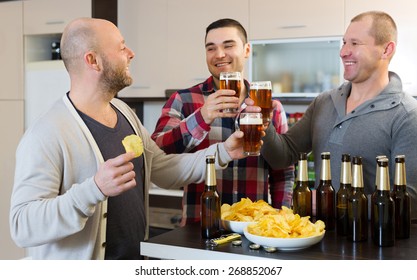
{"x": 246, "y": 211}
{"x": 271, "y": 222}
{"x": 133, "y": 143}
{"x": 286, "y": 224}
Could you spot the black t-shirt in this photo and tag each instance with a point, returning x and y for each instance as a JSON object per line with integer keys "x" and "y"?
{"x": 125, "y": 212}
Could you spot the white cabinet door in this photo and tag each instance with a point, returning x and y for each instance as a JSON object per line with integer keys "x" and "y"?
{"x": 404, "y": 14}
{"x": 11, "y": 51}
{"x": 11, "y": 127}
{"x": 51, "y": 16}
{"x": 279, "y": 19}
{"x": 187, "y": 22}
{"x": 143, "y": 25}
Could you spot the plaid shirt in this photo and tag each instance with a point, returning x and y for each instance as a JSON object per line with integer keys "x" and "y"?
{"x": 181, "y": 128}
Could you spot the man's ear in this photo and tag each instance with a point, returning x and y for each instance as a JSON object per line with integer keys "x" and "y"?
{"x": 247, "y": 49}
{"x": 92, "y": 61}
{"x": 389, "y": 50}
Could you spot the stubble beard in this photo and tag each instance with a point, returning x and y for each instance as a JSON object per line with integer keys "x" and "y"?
{"x": 114, "y": 79}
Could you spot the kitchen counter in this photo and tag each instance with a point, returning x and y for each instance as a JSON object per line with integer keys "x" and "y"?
{"x": 185, "y": 243}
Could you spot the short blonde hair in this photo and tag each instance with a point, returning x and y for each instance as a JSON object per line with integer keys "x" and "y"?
{"x": 383, "y": 28}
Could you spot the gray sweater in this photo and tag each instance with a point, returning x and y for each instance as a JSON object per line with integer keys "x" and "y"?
{"x": 385, "y": 125}
{"x": 57, "y": 211}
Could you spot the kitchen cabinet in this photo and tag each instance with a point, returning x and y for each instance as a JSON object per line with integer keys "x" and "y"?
{"x": 51, "y": 16}
{"x": 143, "y": 25}
{"x": 187, "y": 22}
{"x": 11, "y": 126}
{"x": 11, "y": 51}
{"x": 403, "y": 13}
{"x": 272, "y": 19}
{"x": 11, "y": 114}
{"x": 168, "y": 40}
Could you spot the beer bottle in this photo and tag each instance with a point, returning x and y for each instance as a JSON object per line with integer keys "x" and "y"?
{"x": 357, "y": 204}
{"x": 401, "y": 199}
{"x": 325, "y": 194}
{"x": 302, "y": 193}
{"x": 376, "y": 184}
{"x": 342, "y": 218}
{"x": 383, "y": 209}
{"x": 210, "y": 203}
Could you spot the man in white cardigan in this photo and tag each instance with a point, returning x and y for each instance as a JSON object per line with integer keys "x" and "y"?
{"x": 77, "y": 194}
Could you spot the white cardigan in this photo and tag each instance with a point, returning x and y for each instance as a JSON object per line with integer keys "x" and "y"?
{"x": 57, "y": 211}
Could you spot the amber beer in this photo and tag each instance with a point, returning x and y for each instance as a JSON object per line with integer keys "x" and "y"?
{"x": 261, "y": 94}
{"x": 251, "y": 125}
{"x": 231, "y": 80}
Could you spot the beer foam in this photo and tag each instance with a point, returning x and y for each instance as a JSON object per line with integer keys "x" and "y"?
{"x": 247, "y": 119}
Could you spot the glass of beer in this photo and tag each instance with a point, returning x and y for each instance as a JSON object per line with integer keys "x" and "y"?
{"x": 231, "y": 80}
{"x": 251, "y": 125}
{"x": 261, "y": 93}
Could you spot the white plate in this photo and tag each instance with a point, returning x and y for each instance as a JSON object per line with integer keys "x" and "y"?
{"x": 285, "y": 244}
{"x": 235, "y": 226}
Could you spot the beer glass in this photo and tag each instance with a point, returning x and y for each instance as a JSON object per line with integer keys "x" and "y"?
{"x": 231, "y": 80}
{"x": 261, "y": 93}
{"x": 251, "y": 125}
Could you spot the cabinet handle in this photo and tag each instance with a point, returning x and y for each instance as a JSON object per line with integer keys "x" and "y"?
{"x": 198, "y": 79}
{"x": 55, "y": 22}
{"x": 293, "y": 26}
{"x": 140, "y": 87}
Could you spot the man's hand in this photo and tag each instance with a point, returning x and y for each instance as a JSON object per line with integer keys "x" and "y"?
{"x": 234, "y": 145}
{"x": 250, "y": 107}
{"x": 116, "y": 175}
{"x": 215, "y": 104}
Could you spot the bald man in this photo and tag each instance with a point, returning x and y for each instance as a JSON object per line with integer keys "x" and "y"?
{"x": 77, "y": 194}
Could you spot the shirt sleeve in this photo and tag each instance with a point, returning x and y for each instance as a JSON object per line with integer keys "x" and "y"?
{"x": 281, "y": 181}
{"x": 175, "y": 133}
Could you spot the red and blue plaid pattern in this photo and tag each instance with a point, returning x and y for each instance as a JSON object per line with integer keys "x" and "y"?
{"x": 181, "y": 128}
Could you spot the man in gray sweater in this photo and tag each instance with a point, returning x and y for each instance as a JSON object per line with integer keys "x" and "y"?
{"x": 367, "y": 116}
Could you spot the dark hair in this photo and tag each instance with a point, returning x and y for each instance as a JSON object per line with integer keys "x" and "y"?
{"x": 228, "y": 22}
{"x": 383, "y": 27}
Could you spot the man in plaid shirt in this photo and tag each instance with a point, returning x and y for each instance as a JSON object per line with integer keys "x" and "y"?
{"x": 193, "y": 118}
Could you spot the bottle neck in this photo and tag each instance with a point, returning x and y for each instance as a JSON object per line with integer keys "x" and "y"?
{"x": 346, "y": 173}
{"x": 210, "y": 176}
{"x": 400, "y": 178}
{"x": 383, "y": 179}
{"x": 302, "y": 174}
{"x": 325, "y": 174}
{"x": 357, "y": 176}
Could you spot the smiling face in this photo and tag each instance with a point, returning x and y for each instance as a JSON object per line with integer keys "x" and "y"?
{"x": 115, "y": 60}
{"x": 362, "y": 58}
{"x": 225, "y": 51}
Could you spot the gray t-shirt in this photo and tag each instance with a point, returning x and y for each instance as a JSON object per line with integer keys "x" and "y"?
{"x": 125, "y": 212}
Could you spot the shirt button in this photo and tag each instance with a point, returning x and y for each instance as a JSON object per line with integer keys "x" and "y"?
{"x": 103, "y": 244}
{"x": 393, "y": 102}
{"x": 372, "y": 106}
{"x": 353, "y": 112}
{"x": 105, "y": 215}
